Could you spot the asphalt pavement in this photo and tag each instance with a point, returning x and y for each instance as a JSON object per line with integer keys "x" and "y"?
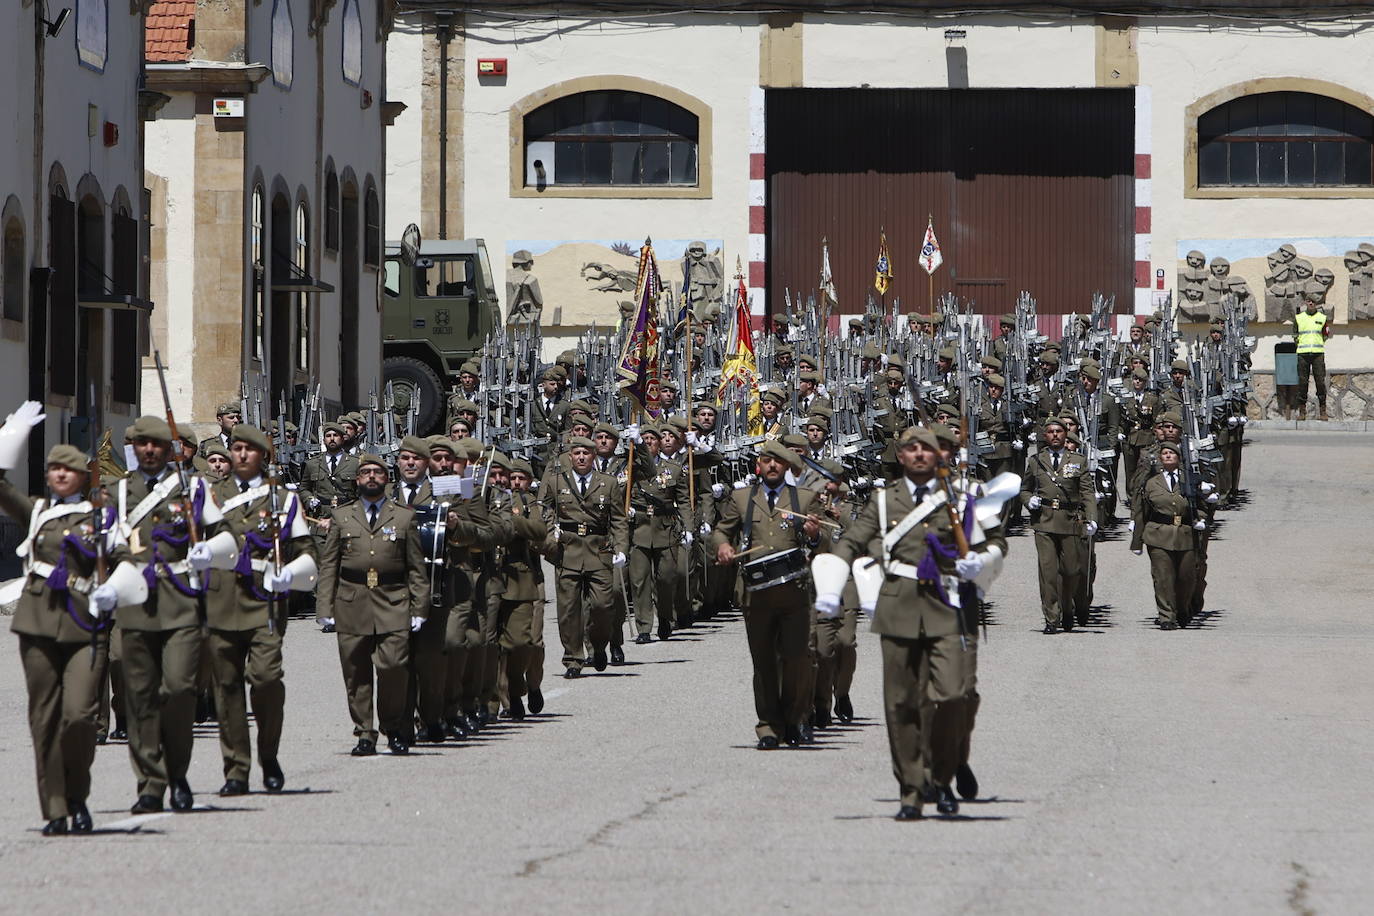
{"x": 1222, "y": 768}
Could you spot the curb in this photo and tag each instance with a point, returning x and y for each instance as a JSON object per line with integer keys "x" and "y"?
{"x": 1311, "y": 426}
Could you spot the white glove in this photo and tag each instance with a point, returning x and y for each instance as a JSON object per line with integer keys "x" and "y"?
{"x": 325, "y": 621}
{"x": 828, "y": 605}
{"x": 692, "y": 438}
{"x": 717, "y": 490}
{"x": 740, "y": 484}
{"x": 1200, "y": 525}
{"x": 860, "y": 482}
{"x": 704, "y": 530}
{"x": 969, "y": 566}
{"x": 631, "y": 432}
{"x": 822, "y": 391}
{"x": 416, "y": 623}
{"x": 1233, "y": 422}
{"x": 200, "y": 556}
{"x": 1137, "y": 551}
{"x": 1243, "y": 420}
{"x": 1206, "y": 487}
{"x": 880, "y": 482}
{"x": 618, "y": 560}
{"x": 1213, "y": 498}
{"x": 1034, "y": 502}
{"x": 1091, "y": 529}
{"x": 103, "y": 599}
{"x": 534, "y": 484}
{"x": 1017, "y": 444}
{"x": 1120, "y": 437}
{"x": 14, "y": 434}
{"x": 630, "y": 513}
{"x": 687, "y": 538}
{"x": 1130, "y": 526}
{"x": 278, "y": 581}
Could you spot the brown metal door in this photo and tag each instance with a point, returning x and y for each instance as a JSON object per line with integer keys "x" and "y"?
{"x": 1028, "y": 189}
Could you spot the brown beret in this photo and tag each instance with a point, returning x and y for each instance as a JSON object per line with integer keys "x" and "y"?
{"x": 521, "y": 466}
{"x": 580, "y": 442}
{"x": 775, "y": 449}
{"x": 228, "y": 407}
{"x": 995, "y": 379}
{"x": 149, "y": 427}
{"x": 417, "y": 445}
{"x": 368, "y": 459}
{"x": 444, "y": 443}
{"x": 1173, "y": 417}
{"x": 918, "y": 434}
{"x": 69, "y": 456}
{"x": 253, "y": 436}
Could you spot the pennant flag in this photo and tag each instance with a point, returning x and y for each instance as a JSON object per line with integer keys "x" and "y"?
{"x": 827, "y": 281}
{"x": 931, "y": 258}
{"x": 882, "y": 278}
{"x": 739, "y": 373}
{"x": 638, "y": 370}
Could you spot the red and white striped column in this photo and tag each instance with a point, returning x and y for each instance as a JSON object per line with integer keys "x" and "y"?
{"x": 758, "y": 220}
{"x": 1144, "y": 272}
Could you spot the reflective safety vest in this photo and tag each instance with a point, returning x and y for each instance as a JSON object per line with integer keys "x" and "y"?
{"x": 1310, "y": 328}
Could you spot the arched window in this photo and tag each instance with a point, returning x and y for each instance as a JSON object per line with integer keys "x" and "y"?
{"x": 283, "y": 43}
{"x": 257, "y": 218}
{"x": 13, "y": 267}
{"x": 352, "y": 43}
{"x": 610, "y": 138}
{"x": 372, "y": 228}
{"x": 1285, "y": 139}
{"x": 331, "y": 210}
{"x": 301, "y": 258}
{"x": 92, "y": 33}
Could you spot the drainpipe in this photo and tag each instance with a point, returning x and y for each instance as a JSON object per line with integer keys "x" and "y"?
{"x": 444, "y": 33}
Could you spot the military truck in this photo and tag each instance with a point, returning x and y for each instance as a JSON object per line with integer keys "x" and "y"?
{"x": 439, "y": 304}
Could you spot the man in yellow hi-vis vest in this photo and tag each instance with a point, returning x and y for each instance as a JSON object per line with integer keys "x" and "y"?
{"x": 1311, "y": 329}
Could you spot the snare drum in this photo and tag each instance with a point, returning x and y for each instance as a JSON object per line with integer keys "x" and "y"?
{"x": 774, "y": 569}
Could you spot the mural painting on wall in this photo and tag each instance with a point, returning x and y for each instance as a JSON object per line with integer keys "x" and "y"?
{"x": 586, "y": 282}
{"x": 1270, "y": 276}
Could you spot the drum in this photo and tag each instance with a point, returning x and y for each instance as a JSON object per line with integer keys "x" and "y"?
{"x": 774, "y": 569}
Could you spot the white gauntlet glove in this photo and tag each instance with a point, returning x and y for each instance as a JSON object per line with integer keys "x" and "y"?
{"x": 103, "y": 599}
{"x": 278, "y": 581}
{"x": 687, "y": 538}
{"x": 717, "y": 490}
{"x": 1213, "y": 498}
{"x": 416, "y": 623}
{"x": 1233, "y": 422}
{"x": 1018, "y": 445}
{"x": 1200, "y": 525}
{"x": 1206, "y": 487}
{"x": 1034, "y": 502}
{"x": 969, "y": 566}
{"x": 618, "y": 560}
{"x": 200, "y": 557}
{"x": 740, "y": 484}
{"x": 692, "y": 438}
{"x": 1091, "y": 529}
{"x": 704, "y": 530}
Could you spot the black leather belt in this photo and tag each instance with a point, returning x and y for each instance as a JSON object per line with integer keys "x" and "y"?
{"x": 1162, "y": 519}
{"x": 588, "y": 531}
{"x": 361, "y": 577}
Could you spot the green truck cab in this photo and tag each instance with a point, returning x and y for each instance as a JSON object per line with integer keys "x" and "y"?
{"x": 436, "y": 314}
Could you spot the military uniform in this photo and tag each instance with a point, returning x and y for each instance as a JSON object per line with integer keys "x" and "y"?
{"x": 247, "y": 622}
{"x": 521, "y": 621}
{"x": 777, "y": 620}
{"x": 1138, "y": 416}
{"x": 657, "y": 528}
{"x": 1164, "y": 520}
{"x": 1067, "y": 505}
{"x": 329, "y": 481}
{"x": 585, "y": 530}
{"x": 373, "y": 582}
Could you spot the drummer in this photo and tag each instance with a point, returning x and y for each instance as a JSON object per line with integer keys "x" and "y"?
{"x": 775, "y": 525}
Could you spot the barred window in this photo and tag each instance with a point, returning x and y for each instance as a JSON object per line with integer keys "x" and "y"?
{"x": 1285, "y": 139}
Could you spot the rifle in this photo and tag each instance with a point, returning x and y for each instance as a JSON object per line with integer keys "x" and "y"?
{"x": 98, "y": 500}
{"x": 193, "y": 536}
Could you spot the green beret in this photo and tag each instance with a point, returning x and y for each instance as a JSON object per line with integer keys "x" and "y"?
{"x": 896, "y": 360}
{"x": 1180, "y": 365}
{"x": 795, "y": 440}
{"x": 1049, "y": 359}
{"x": 521, "y": 466}
{"x": 918, "y": 434}
{"x": 580, "y": 442}
{"x": 834, "y": 467}
{"x": 441, "y": 443}
{"x": 367, "y": 458}
{"x": 809, "y": 375}
{"x": 1055, "y": 421}
{"x": 574, "y": 417}
{"x": 947, "y": 433}
{"x": 499, "y": 460}
{"x": 668, "y": 385}
{"x": 606, "y": 428}
{"x": 772, "y": 395}
{"x": 463, "y": 405}
{"x": 1171, "y": 447}
{"x": 417, "y": 445}
{"x": 553, "y": 374}
{"x": 474, "y": 449}
{"x": 951, "y": 409}
{"x": 69, "y": 456}
{"x": 470, "y": 367}
{"x": 330, "y": 426}
{"x": 995, "y": 379}
{"x": 1172, "y": 417}
{"x": 947, "y": 353}
{"x": 1073, "y": 437}
{"x": 1007, "y": 321}
{"x": 347, "y": 418}
{"x": 990, "y": 360}
{"x": 679, "y": 423}
{"x": 253, "y": 436}
{"x": 149, "y": 427}
{"x": 775, "y": 449}
{"x": 1091, "y": 372}
{"x": 703, "y": 405}
{"x": 1054, "y": 345}
{"x": 818, "y": 421}
{"x": 1140, "y": 374}
{"x": 649, "y": 429}
{"x": 807, "y": 360}
{"x": 216, "y": 448}
{"x": 895, "y": 375}
{"x": 357, "y": 418}
{"x": 227, "y": 408}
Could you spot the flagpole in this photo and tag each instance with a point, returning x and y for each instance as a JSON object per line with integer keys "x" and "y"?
{"x": 930, "y": 274}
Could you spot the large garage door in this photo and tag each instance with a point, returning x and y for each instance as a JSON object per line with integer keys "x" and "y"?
{"x": 1029, "y": 189}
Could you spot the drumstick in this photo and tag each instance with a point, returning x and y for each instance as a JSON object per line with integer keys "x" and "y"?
{"x": 800, "y": 515}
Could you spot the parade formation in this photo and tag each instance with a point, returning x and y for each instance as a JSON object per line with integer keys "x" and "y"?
{"x": 682, "y": 464}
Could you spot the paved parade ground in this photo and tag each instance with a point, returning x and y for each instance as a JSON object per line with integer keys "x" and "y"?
{"x": 1222, "y": 768}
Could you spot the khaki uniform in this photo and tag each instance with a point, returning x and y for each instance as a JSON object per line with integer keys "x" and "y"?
{"x": 464, "y": 642}
{"x": 656, "y": 532}
{"x": 1068, "y": 504}
{"x": 521, "y": 621}
{"x": 928, "y": 645}
{"x": 324, "y": 488}
{"x": 1138, "y": 419}
{"x": 585, "y": 531}
{"x": 161, "y": 641}
{"x": 63, "y": 668}
{"x": 777, "y": 620}
{"x": 373, "y": 580}
{"x": 1164, "y": 527}
{"x": 247, "y": 624}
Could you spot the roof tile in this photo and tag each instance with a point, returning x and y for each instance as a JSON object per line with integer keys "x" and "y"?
{"x": 168, "y": 30}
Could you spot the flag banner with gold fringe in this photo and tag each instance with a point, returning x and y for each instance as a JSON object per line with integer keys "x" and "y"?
{"x": 638, "y": 369}
{"x": 931, "y": 256}
{"x": 882, "y": 275}
{"x": 739, "y": 372}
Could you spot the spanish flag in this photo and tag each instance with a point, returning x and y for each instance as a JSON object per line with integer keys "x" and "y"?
{"x": 882, "y": 278}
{"x": 739, "y": 373}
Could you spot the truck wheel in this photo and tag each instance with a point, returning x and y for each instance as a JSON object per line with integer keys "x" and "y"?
{"x": 415, "y": 378}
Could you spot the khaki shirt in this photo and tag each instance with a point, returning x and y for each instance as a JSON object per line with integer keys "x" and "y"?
{"x": 373, "y": 578}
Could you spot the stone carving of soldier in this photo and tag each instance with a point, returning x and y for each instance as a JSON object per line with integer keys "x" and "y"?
{"x": 1194, "y": 273}
{"x": 703, "y": 279}
{"x": 524, "y": 301}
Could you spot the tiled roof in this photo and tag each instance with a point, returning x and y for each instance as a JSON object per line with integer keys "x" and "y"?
{"x": 168, "y": 34}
